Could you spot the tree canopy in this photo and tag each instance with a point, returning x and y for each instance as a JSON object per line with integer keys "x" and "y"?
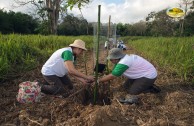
{"x": 11, "y": 22}
{"x": 155, "y": 24}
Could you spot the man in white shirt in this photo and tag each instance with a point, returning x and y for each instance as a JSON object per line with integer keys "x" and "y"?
{"x": 56, "y": 69}
{"x": 140, "y": 74}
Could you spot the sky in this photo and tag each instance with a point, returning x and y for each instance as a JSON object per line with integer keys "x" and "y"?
{"x": 121, "y": 11}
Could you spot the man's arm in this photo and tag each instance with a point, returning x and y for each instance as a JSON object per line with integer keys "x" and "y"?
{"x": 84, "y": 81}
{"x": 71, "y": 69}
{"x": 107, "y": 78}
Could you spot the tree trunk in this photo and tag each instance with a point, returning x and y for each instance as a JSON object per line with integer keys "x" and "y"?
{"x": 183, "y": 21}
{"x": 53, "y": 14}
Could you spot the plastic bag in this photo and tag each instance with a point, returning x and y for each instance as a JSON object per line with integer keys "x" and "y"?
{"x": 29, "y": 92}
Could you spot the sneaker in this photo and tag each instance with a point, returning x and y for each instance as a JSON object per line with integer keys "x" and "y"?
{"x": 129, "y": 99}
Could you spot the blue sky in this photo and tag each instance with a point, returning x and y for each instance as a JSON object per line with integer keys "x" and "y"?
{"x": 113, "y": 1}
{"x": 121, "y": 11}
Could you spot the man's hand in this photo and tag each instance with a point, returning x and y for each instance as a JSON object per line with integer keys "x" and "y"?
{"x": 85, "y": 82}
{"x": 90, "y": 79}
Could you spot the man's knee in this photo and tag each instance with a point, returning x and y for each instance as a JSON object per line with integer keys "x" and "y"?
{"x": 134, "y": 92}
{"x": 127, "y": 84}
{"x": 52, "y": 89}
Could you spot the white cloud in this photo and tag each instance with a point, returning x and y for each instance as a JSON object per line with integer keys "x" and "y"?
{"x": 129, "y": 11}
{"x": 11, "y": 5}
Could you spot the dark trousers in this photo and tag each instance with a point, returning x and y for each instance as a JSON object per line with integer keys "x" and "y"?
{"x": 56, "y": 85}
{"x": 138, "y": 86}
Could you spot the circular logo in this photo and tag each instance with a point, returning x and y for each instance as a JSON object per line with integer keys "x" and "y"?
{"x": 175, "y": 12}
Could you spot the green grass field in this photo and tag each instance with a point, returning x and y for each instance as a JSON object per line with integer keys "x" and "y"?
{"x": 20, "y": 53}
{"x": 173, "y": 54}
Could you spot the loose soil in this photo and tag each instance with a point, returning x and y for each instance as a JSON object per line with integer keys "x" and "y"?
{"x": 173, "y": 106}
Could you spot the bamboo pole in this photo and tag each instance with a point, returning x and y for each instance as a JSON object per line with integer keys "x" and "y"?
{"x": 107, "y": 62}
{"x": 107, "y": 65}
{"x": 97, "y": 54}
{"x": 85, "y": 65}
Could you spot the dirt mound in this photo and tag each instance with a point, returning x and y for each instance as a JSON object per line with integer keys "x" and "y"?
{"x": 100, "y": 116}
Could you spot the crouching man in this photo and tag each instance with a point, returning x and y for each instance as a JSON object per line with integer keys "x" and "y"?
{"x": 140, "y": 74}
{"x": 56, "y": 69}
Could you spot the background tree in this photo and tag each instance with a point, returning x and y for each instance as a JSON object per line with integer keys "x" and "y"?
{"x": 68, "y": 26}
{"x": 23, "y": 23}
{"x": 5, "y": 26}
{"x": 50, "y": 9}
{"x": 139, "y": 28}
{"x": 72, "y": 25}
{"x": 121, "y": 29}
{"x": 11, "y": 22}
{"x": 160, "y": 24}
{"x": 189, "y": 24}
{"x": 187, "y": 4}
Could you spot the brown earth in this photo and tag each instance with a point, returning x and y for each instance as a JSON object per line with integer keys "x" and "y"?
{"x": 173, "y": 106}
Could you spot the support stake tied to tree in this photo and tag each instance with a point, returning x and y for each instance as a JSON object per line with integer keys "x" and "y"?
{"x": 97, "y": 55}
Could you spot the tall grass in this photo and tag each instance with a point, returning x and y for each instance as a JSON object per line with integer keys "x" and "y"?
{"x": 19, "y": 53}
{"x": 174, "y": 54}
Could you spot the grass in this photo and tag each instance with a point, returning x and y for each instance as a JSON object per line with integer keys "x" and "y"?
{"x": 173, "y": 53}
{"x": 19, "y": 53}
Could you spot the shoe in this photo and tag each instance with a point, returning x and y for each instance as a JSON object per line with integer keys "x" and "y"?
{"x": 129, "y": 99}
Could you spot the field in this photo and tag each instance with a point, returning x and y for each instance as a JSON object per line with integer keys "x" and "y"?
{"x": 173, "y": 106}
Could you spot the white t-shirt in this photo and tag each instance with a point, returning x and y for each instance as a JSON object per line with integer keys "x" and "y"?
{"x": 133, "y": 67}
{"x": 55, "y": 64}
